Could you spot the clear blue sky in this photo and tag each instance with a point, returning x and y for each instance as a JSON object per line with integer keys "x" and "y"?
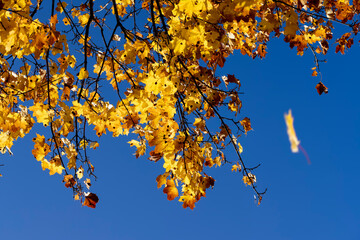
{"x": 317, "y": 201}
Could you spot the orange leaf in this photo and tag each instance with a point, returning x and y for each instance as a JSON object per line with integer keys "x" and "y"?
{"x": 69, "y": 181}
{"x": 161, "y": 179}
{"x": 188, "y": 201}
{"x": 171, "y": 190}
{"x": 246, "y": 124}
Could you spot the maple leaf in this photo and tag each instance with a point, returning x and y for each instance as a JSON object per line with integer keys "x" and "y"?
{"x": 54, "y": 165}
{"x": 249, "y": 179}
{"x": 171, "y": 190}
{"x": 236, "y": 167}
{"x": 188, "y": 201}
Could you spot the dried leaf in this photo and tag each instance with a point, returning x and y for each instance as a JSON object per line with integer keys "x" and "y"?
{"x": 321, "y": 88}
{"x": 69, "y": 181}
{"x": 91, "y": 200}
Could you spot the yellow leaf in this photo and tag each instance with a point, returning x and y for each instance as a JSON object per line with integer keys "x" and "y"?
{"x": 236, "y": 167}
{"x": 249, "y": 179}
{"x": 54, "y": 165}
{"x": 289, "y": 120}
{"x": 83, "y": 143}
{"x": 83, "y": 19}
{"x": 80, "y": 172}
{"x": 83, "y": 74}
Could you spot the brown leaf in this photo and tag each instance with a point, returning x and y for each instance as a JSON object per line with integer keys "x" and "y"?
{"x": 233, "y": 79}
{"x": 91, "y": 200}
{"x": 320, "y": 87}
{"x": 155, "y": 156}
{"x": 69, "y": 181}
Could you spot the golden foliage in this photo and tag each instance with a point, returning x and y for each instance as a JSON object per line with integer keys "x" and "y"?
{"x": 169, "y": 97}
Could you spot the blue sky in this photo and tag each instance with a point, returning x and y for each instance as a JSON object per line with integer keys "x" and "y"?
{"x": 317, "y": 201}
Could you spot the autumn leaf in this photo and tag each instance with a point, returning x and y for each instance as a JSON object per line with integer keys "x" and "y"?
{"x": 80, "y": 172}
{"x": 171, "y": 190}
{"x": 246, "y": 124}
{"x": 161, "y": 179}
{"x": 236, "y": 168}
{"x": 91, "y": 199}
{"x": 321, "y": 88}
{"x": 83, "y": 74}
{"x": 289, "y": 120}
{"x": 188, "y": 201}
{"x": 69, "y": 181}
{"x": 249, "y": 179}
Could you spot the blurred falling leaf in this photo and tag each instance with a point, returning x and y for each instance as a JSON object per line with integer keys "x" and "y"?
{"x": 289, "y": 120}
{"x": 294, "y": 141}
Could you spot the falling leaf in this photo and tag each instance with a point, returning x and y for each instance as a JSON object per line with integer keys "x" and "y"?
{"x": 289, "y": 120}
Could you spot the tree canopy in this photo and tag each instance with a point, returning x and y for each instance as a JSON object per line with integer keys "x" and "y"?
{"x": 149, "y": 69}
